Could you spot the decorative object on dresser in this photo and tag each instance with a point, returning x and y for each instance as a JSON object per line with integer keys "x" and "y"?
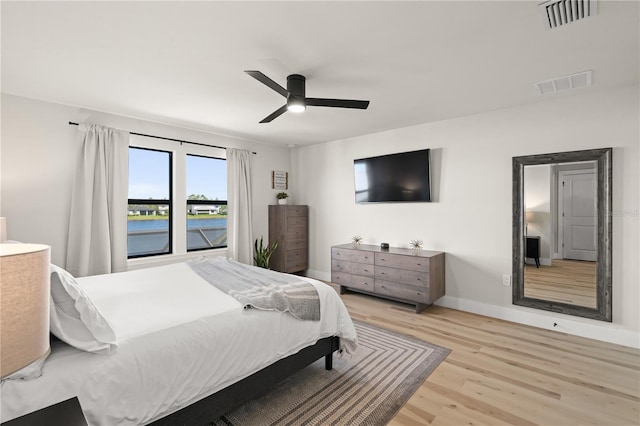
{"x": 24, "y": 309}
{"x": 395, "y": 273}
{"x": 416, "y": 245}
{"x": 282, "y": 197}
{"x": 289, "y": 226}
{"x": 357, "y": 240}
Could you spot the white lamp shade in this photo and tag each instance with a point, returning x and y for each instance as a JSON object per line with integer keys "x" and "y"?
{"x": 24, "y": 305}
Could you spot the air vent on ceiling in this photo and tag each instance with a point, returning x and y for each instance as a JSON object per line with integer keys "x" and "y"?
{"x": 556, "y": 13}
{"x": 573, "y": 81}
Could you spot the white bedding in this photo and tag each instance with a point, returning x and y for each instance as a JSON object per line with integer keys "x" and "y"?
{"x": 179, "y": 340}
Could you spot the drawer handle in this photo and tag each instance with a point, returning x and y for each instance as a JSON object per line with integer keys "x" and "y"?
{"x": 382, "y": 286}
{"x": 366, "y": 270}
{"x": 419, "y": 264}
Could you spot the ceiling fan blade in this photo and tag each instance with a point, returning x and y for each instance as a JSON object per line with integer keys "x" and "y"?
{"x": 277, "y": 113}
{"x": 337, "y": 103}
{"x": 268, "y": 82}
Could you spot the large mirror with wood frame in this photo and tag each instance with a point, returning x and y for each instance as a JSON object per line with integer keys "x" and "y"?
{"x": 562, "y": 232}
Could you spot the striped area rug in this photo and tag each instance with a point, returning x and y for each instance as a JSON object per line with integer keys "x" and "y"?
{"x": 366, "y": 388}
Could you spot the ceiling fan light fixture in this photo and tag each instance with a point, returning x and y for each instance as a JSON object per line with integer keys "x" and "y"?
{"x": 296, "y": 105}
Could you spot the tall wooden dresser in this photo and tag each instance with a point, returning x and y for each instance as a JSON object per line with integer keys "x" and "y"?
{"x": 289, "y": 225}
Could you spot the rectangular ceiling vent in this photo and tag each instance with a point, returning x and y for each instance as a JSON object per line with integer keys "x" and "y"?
{"x": 556, "y": 13}
{"x": 573, "y": 81}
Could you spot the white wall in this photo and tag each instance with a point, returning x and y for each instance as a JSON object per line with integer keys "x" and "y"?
{"x": 38, "y": 152}
{"x": 471, "y": 217}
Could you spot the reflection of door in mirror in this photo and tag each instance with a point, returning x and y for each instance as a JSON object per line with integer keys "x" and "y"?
{"x": 561, "y": 214}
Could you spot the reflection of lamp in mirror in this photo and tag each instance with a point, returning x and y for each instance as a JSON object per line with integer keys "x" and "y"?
{"x": 528, "y": 217}
{"x": 24, "y": 307}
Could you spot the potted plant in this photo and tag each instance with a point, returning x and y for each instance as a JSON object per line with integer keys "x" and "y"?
{"x": 262, "y": 254}
{"x": 282, "y": 197}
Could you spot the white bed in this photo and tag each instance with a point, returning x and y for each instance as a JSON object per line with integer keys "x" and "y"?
{"x": 179, "y": 340}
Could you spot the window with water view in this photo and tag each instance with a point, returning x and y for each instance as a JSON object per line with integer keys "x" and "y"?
{"x": 149, "y": 211}
{"x": 206, "y": 202}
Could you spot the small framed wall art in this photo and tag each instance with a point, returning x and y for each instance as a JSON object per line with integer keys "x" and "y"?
{"x": 279, "y": 180}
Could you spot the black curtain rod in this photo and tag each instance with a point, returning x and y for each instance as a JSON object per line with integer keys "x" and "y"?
{"x": 71, "y": 123}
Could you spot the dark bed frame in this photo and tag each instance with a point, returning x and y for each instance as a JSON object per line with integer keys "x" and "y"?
{"x": 208, "y": 409}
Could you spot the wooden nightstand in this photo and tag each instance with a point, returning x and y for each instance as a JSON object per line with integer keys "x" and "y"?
{"x": 67, "y": 413}
{"x": 533, "y": 249}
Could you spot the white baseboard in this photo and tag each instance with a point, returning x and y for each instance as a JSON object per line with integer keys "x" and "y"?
{"x": 605, "y": 332}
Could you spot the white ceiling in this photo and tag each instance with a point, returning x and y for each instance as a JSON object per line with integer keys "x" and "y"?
{"x": 182, "y": 63}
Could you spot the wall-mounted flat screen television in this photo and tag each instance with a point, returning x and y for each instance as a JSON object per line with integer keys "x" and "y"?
{"x": 402, "y": 177}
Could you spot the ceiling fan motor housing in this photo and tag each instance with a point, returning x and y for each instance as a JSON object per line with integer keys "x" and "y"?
{"x": 295, "y": 87}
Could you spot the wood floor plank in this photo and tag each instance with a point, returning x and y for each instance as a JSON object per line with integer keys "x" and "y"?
{"x": 566, "y": 281}
{"x": 501, "y": 373}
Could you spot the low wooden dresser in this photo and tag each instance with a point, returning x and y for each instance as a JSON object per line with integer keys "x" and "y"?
{"x": 406, "y": 275}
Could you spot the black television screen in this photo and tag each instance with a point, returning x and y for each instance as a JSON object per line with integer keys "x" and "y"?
{"x": 402, "y": 177}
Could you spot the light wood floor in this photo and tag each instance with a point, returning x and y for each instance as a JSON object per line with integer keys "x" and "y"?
{"x": 566, "y": 281}
{"x": 502, "y": 373}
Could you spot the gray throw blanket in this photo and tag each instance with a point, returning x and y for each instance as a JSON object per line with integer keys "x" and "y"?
{"x": 261, "y": 288}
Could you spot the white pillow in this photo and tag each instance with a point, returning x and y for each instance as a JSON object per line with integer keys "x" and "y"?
{"x": 74, "y": 319}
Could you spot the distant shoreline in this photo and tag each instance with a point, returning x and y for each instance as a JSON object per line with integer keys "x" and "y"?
{"x": 166, "y": 217}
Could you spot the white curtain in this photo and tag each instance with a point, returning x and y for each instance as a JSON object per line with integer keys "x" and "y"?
{"x": 98, "y": 222}
{"x": 239, "y": 206}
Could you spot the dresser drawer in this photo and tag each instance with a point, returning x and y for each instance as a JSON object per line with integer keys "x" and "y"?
{"x": 297, "y": 222}
{"x": 297, "y": 255}
{"x": 297, "y": 233}
{"x": 416, "y": 263}
{"x": 296, "y": 266}
{"x": 406, "y": 276}
{"x": 354, "y": 268}
{"x": 297, "y": 244}
{"x": 362, "y": 283}
{"x": 402, "y": 291}
{"x": 296, "y": 211}
{"x": 340, "y": 278}
{"x": 352, "y": 255}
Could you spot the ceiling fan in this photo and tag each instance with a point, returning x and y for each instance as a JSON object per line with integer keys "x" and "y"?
{"x": 295, "y": 94}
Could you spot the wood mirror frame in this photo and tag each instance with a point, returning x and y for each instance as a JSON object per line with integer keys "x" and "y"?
{"x": 602, "y": 156}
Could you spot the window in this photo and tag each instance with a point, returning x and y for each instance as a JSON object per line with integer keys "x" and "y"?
{"x": 206, "y": 202}
{"x": 149, "y": 210}
{"x": 177, "y": 198}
